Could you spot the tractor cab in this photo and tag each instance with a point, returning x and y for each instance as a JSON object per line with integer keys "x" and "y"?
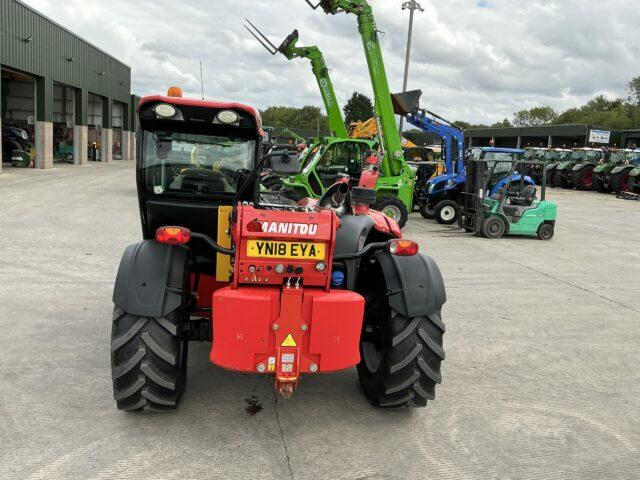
{"x": 499, "y": 200}
{"x": 194, "y": 162}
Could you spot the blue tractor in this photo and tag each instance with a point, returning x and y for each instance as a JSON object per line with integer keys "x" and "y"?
{"x": 436, "y": 197}
{"x": 440, "y": 197}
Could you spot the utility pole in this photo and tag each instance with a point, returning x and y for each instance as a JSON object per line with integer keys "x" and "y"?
{"x": 201, "y": 81}
{"x": 412, "y": 6}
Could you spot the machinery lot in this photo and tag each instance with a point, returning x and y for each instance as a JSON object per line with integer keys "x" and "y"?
{"x": 542, "y": 377}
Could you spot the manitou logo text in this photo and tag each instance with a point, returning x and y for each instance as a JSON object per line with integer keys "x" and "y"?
{"x": 290, "y": 228}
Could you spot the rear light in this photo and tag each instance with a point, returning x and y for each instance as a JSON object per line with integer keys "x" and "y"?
{"x": 402, "y": 248}
{"x": 173, "y": 235}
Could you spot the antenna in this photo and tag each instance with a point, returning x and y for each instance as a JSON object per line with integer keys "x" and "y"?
{"x": 261, "y": 37}
{"x": 201, "y": 81}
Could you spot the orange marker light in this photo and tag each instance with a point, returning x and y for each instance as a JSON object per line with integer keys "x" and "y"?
{"x": 403, "y": 248}
{"x": 173, "y": 235}
{"x": 174, "y": 92}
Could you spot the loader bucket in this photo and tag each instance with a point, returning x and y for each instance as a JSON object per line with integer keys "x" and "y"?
{"x": 406, "y": 102}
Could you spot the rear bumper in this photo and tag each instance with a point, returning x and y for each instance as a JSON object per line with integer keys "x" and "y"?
{"x": 286, "y": 331}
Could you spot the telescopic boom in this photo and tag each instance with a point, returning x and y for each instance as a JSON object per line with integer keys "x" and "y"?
{"x": 393, "y": 162}
{"x": 290, "y": 50}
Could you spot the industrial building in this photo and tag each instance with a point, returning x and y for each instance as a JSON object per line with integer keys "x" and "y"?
{"x": 72, "y": 99}
{"x": 558, "y": 136}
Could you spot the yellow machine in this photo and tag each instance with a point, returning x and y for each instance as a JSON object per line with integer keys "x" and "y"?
{"x": 431, "y": 154}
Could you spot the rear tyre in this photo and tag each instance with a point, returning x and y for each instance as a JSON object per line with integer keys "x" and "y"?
{"x": 620, "y": 181}
{"x": 493, "y": 227}
{"x": 558, "y": 179}
{"x": 401, "y": 357}
{"x": 545, "y": 231}
{"x": 447, "y": 212}
{"x": 394, "y": 208}
{"x": 583, "y": 179}
{"x": 148, "y": 360}
{"x": 428, "y": 211}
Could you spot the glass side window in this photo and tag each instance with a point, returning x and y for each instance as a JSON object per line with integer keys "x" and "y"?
{"x": 334, "y": 162}
{"x": 183, "y": 163}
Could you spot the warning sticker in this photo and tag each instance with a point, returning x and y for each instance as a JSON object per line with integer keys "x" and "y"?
{"x": 289, "y": 342}
{"x": 287, "y": 367}
{"x": 272, "y": 360}
{"x": 288, "y": 357}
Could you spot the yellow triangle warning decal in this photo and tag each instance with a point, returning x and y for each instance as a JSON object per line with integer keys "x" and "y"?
{"x": 289, "y": 342}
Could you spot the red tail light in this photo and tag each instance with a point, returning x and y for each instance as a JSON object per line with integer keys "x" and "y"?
{"x": 173, "y": 235}
{"x": 403, "y": 248}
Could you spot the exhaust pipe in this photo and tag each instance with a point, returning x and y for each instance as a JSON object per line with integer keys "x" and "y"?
{"x": 338, "y": 197}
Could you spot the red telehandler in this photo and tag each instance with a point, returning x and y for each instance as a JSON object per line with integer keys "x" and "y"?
{"x": 278, "y": 288}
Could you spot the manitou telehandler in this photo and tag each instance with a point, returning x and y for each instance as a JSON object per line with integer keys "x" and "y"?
{"x": 279, "y": 289}
{"x": 327, "y": 159}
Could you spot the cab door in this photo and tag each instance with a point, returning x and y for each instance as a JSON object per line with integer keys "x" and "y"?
{"x": 333, "y": 164}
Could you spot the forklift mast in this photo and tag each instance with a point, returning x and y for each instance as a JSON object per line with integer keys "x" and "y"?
{"x": 392, "y": 162}
{"x": 291, "y": 50}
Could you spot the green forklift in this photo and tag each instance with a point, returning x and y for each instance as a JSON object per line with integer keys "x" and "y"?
{"x": 327, "y": 159}
{"x": 513, "y": 209}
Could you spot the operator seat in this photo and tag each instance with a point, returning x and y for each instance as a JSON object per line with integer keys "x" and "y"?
{"x": 524, "y": 198}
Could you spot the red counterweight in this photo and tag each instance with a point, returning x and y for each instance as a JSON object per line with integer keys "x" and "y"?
{"x": 279, "y": 316}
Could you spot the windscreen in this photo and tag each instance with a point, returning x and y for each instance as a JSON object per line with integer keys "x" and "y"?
{"x": 191, "y": 164}
{"x": 633, "y": 158}
{"x": 617, "y": 157}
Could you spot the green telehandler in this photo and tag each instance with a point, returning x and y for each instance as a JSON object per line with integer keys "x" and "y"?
{"x": 397, "y": 176}
{"x": 327, "y": 159}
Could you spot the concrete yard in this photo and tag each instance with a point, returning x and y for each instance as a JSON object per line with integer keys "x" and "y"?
{"x": 541, "y": 380}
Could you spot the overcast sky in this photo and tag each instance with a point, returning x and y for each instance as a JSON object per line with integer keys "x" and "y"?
{"x": 475, "y": 60}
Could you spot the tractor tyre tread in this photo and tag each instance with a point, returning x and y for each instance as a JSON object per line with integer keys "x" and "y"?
{"x": 616, "y": 181}
{"x": 410, "y": 369}
{"x": 147, "y": 362}
{"x": 427, "y": 214}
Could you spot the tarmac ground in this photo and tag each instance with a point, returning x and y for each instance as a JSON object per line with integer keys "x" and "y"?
{"x": 541, "y": 379}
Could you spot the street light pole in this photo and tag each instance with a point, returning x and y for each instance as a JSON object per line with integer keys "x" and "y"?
{"x": 412, "y": 6}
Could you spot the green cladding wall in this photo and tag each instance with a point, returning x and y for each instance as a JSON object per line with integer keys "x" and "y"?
{"x": 34, "y": 44}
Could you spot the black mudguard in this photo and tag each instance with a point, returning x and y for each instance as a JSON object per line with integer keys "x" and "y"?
{"x": 151, "y": 279}
{"x": 350, "y": 238}
{"x": 415, "y": 284}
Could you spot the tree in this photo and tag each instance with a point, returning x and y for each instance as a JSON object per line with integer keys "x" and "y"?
{"x": 359, "y": 107}
{"x": 503, "y": 124}
{"x": 306, "y": 118}
{"x": 634, "y": 91}
{"x": 534, "y": 117}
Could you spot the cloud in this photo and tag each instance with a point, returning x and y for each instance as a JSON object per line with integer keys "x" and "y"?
{"x": 475, "y": 60}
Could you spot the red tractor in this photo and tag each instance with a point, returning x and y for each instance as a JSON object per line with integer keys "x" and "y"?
{"x": 278, "y": 288}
